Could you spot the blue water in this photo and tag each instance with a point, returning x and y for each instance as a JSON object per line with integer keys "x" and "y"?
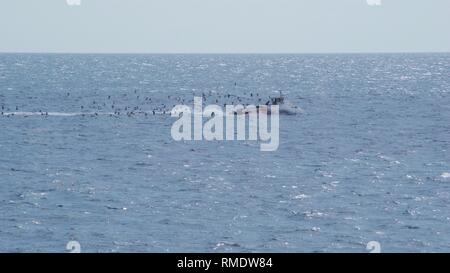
{"x": 367, "y": 160}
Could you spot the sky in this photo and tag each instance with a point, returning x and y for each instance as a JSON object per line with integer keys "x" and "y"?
{"x": 225, "y": 26}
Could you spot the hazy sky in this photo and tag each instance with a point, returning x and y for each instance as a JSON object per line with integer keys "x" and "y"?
{"x": 213, "y": 26}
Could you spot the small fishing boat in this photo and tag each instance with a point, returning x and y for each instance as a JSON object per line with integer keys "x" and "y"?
{"x": 284, "y": 107}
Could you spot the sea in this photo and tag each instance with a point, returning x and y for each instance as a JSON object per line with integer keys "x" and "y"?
{"x": 86, "y": 154}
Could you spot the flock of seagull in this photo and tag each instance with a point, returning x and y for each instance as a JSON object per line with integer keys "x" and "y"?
{"x": 141, "y": 104}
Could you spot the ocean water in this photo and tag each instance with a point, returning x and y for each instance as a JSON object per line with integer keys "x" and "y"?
{"x": 367, "y": 160}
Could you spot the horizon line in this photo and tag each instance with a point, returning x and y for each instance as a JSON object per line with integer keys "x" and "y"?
{"x": 225, "y": 53}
